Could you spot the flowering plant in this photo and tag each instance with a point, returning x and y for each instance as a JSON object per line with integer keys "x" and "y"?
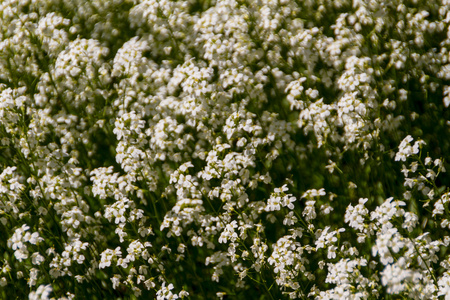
{"x": 260, "y": 149}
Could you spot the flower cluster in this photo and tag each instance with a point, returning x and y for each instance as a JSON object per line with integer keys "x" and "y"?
{"x": 164, "y": 149}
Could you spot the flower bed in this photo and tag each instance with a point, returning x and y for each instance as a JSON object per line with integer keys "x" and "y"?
{"x": 232, "y": 149}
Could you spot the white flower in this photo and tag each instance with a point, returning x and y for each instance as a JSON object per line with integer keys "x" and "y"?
{"x": 405, "y": 149}
{"x": 309, "y": 212}
{"x": 355, "y": 215}
{"x": 42, "y": 293}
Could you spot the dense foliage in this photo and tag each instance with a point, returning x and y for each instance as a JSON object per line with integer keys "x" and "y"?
{"x": 240, "y": 149}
